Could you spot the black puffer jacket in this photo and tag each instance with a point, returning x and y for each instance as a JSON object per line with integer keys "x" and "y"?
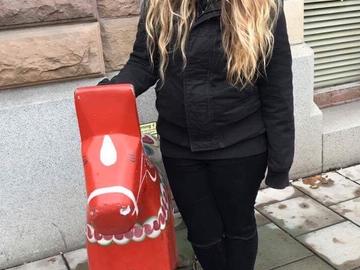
{"x": 214, "y": 113}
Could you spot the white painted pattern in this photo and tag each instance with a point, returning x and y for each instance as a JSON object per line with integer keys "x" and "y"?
{"x": 125, "y": 210}
{"x": 115, "y": 189}
{"x": 108, "y": 154}
{"x": 164, "y": 210}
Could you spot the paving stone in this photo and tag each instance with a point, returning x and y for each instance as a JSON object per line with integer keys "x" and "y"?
{"x": 338, "y": 244}
{"x": 277, "y": 248}
{"x": 261, "y": 219}
{"x": 189, "y": 268}
{"x": 52, "y": 263}
{"x": 270, "y": 195}
{"x": 349, "y": 209}
{"x": 77, "y": 259}
{"x": 310, "y": 263}
{"x": 81, "y": 266}
{"x": 352, "y": 172}
{"x": 178, "y": 221}
{"x": 185, "y": 251}
{"x": 300, "y": 215}
{"x": 337, "y": 189}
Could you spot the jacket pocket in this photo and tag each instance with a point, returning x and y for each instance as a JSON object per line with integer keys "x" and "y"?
{"x": 235, "y": 106}
{"x": 247, "y": 92}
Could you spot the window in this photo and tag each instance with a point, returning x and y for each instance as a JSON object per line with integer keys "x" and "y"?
{"x": 332, "y": 29}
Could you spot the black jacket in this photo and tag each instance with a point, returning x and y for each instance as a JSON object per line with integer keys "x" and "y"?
{"x": 214, "y": 113}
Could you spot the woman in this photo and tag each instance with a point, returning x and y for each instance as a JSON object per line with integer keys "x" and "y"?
{"x": 224, "y": 96}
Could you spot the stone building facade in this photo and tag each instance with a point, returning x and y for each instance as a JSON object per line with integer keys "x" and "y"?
{"x": 53, "y": 40}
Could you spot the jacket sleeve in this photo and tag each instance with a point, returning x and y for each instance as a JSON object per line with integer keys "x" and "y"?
{"x": 137, "y": 70}
{"x": 276, "y": 94}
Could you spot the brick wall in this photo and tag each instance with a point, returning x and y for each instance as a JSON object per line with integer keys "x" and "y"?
{"x": 55, "y": 40}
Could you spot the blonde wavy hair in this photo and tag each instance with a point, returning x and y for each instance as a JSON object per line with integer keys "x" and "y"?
{"x": 246, "y": 27}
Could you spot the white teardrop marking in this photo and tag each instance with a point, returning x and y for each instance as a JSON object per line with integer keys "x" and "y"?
{"x": 108, "y": 154}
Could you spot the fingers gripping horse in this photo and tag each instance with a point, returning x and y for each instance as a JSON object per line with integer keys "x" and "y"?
{"x": 130, "y": 223}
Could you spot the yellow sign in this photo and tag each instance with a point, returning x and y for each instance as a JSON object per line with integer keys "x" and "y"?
{"x": 149, "y": 128}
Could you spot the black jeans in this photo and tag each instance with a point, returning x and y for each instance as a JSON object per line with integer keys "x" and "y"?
{"x": 216, "y": 200}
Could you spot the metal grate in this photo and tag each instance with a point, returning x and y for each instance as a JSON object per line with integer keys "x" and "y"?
{"x": 332, "y": 29}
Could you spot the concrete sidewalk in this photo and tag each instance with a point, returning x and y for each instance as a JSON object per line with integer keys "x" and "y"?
{"x": 314, "y": 224}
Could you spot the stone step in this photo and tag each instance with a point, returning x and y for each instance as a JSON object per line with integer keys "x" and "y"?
{"x": 341, "y": 133}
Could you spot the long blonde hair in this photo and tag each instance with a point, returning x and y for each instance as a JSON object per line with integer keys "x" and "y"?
{"x": 247, "y": 35}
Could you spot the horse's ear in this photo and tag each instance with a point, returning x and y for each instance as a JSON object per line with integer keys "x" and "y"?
{"x": 107, "y": 109}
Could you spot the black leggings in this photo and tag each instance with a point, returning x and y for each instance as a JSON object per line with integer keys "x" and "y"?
{"x": 216, "y": 200}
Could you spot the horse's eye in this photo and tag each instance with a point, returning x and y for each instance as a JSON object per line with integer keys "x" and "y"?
{"x": 125, "y": 210}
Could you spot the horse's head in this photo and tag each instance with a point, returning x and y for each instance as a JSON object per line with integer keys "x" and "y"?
{"x": 112, "y": 154}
